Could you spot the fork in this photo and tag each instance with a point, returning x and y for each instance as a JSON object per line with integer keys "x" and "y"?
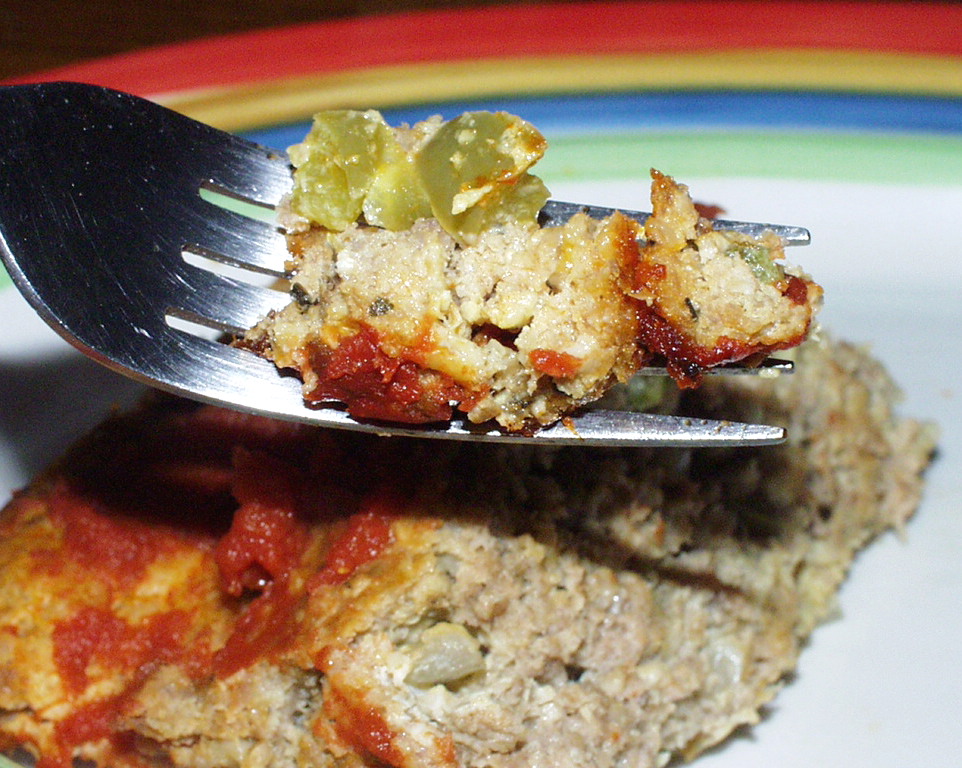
{"x": 108, "y": 225}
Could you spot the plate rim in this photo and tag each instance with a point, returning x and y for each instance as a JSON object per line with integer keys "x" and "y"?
{"x": 271, "y": 55}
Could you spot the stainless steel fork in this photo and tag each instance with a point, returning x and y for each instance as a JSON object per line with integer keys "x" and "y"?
{"x": 104, "y": 230}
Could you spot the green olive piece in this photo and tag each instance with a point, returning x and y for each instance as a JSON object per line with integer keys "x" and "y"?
{"x": 474, "y": 171}
{"x": 349, "y": 164}
{"x": 470, "y": 175}
{"x": 759, "y": 259}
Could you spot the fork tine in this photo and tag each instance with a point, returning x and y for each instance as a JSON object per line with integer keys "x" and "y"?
{"x": 239, "y": 240}
{"x": 237, "y": 165}
{"x": 249, "y": 170}
{"x": 769, "y": 366}
{"x": 557, "y": 212}
{"x": 221, "y": 302}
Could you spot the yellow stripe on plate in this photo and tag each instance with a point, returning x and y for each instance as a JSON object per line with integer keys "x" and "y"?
{"x": 288, "y": 100}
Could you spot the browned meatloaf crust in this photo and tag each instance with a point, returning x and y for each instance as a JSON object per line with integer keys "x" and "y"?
{"x": 200, "y": 588}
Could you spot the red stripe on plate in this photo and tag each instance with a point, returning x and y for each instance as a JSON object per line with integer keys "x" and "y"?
{"x": 526, "y": 30}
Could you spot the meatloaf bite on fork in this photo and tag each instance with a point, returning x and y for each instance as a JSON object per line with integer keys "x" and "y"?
{"x": 423, "y": 285}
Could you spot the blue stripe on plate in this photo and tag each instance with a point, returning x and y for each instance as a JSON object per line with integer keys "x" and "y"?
{"x": 693, "y": 110}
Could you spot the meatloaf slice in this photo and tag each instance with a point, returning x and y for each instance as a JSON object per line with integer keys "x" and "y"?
{"x": 200, "y": 588}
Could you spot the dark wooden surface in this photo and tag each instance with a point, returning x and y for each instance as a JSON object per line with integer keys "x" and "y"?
{"x": 37, "y": 35}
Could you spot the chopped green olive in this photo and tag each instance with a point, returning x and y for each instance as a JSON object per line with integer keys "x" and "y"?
{"x": 759, "y": 259}
{"x": 396, "y": 198}
{"x": 475, "y": 172}
{"x": 471, "y": 174}
{"x": 337, "y": 163}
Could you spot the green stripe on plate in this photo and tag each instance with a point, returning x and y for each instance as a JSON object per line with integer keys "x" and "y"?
{"x": 810, "y": 156}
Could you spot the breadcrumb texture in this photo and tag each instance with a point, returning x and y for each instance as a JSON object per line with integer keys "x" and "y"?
{"x": 524, "y": 324}
{"x": 192, "y": 587}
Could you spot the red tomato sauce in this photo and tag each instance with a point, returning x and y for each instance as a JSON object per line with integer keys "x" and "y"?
{"x": 97, "y": 635}
{"x": 685, "y": 360}
{"x": 709, "y": 210}
{"x": 89, "y": 723}
{"x": 648, "y": 275}
{"x": 273, "y": 533}
{"x": 117, "y": 548}
{"x": 268, "y": 535}
{"x": 374, "y": 385}
{"x": 796, "y": 290}
{"x": 366, "y": 536}
{"x": 265, "y": 545}
{"x": 560, "y": 365}
{"x": 363, "y": 727}
{"x": 266, "y": 627}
